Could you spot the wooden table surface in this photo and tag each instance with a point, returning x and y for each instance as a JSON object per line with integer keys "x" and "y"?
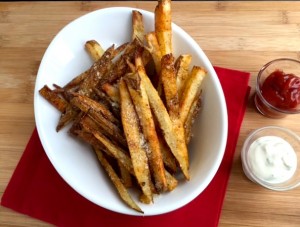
{"x": 238, "y": 35}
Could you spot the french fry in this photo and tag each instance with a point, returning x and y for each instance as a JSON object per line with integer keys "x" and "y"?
{"x": 87, "y": 104}
{"x": 53, "y": 97}
{"x": 117, "y": 182}
{"x": 182, "y": 65}
{"x": 194, "y": 110}
{"x": 114, "y": 107}
{"x": 94, "y": 49}
{"x": 168, "y": 130}
{"x": 120, "y": 66}
{"x": 97, "y": 72}
{"x": 113, "y": 149}
{"x": 191, "y": 91}
{"x": 171, "y": 181}
{"x": 163, "y": 27}
{"x": 66, "y": 117}
{"x": 140, "y": 100}
{"x": 137, "y": 26}
{"x": 168, "y": 78}
{"x": 136, "y": 143}
{"x": 105, "y": 119}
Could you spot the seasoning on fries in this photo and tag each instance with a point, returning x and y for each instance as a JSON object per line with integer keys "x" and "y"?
{"x": 137, "y": 120}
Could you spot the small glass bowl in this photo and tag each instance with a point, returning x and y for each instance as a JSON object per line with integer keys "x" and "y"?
{"x": 262, "y": 105}
{"x": 286, "y": 134}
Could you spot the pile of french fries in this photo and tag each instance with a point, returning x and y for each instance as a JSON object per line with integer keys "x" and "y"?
{"x": 135, "y": 106}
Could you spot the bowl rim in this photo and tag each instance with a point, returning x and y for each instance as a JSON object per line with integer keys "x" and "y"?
{"x": 258, "y": 90}
{"x": 245, "y": 165}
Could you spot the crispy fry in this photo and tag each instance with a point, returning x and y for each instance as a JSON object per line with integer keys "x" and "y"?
{"x": 182, "y": 65}
{"x": 171, "y": 181}
{"x": 137, "y": 26}
{"x": 168, "y": 79}
{"x": 140, "y": 100}
{"x": 164, "y": 120}
{"x": 171, "y": 95}
{"x": 94, "y": 49}
{"x": 114, "y": 107}
{"x": 117, "y": 182}
{"x": 97, "y": 72}
{"x": 105, "y": 119}
{"x": 87, "y": 104}
{"x": 120, "y": 66}
{"x": 66, "y": 117}
{"x": 163, "y": 27}
{"x": 136, "y": 142}
{"x": 112, "y": 148}
{"x": 194, "y": 110}
{"x": 53, "y": 97}
{"x": 191, "y": 91}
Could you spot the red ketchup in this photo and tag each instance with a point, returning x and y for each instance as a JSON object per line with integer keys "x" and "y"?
{"x": 282, "y": 90}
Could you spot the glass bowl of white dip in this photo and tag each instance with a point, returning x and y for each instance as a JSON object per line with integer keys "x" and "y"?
{"x": 271, "y": 157}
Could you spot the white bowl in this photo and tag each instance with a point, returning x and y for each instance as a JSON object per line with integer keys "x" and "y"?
{"x": 74, "y": 161}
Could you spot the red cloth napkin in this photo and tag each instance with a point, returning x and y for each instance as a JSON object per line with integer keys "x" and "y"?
{"x": 36, "y": 189}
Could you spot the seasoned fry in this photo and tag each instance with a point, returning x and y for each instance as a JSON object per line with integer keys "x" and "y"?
{"x": 66, "y": 117}
{"x": 136, "y": 142}
{"x": 140, "y": 100}
{"x": 117, "y": 182}
{"x": 164, "y": 120}
{"x": 97, "y": 72}
{"x": 182, "y": 65}
{"x": 53, "y": 97}
{"x": 137, "y": 26}
{"x": 163, "y": 27}
{"x": 120, "y": 66}
{"x": 168, "y": 78}
{"x": 94, "y": 49}
{"x": 171, "y": 181}
{"x": 191, "y": 91}
{"x": 112, "y": 148}
{"x": 194, "y": 110}
{"x": 114, "y": 107}
{"x": 87, "y": 104}
{"x": 105, "y": 119}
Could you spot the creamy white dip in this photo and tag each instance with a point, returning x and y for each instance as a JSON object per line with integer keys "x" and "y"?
{"x": 272, "y": 159}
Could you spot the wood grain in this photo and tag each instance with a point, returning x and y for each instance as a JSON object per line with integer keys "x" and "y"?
{"x": 240, "y": 35}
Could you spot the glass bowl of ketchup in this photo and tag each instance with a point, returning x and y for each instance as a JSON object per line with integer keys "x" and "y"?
{"x": 278, "y": 88}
